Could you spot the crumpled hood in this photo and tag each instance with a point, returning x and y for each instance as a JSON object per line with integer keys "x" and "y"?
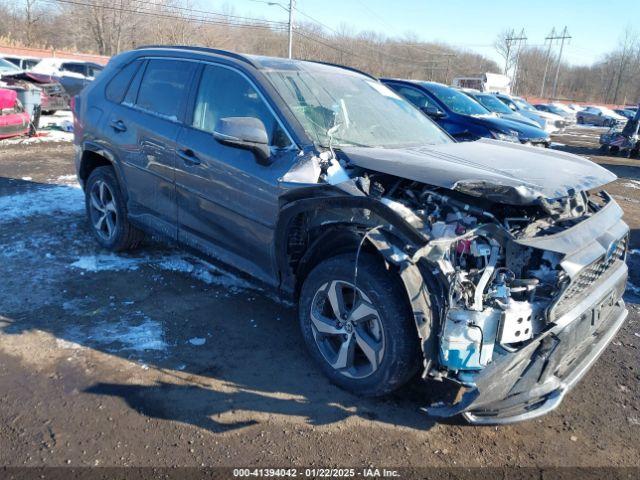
{"x": 498, "y": 171}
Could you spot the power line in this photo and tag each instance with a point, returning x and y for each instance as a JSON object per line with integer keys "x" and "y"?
{"x": 393, "y": 58}
{"x": 259, "y": 24}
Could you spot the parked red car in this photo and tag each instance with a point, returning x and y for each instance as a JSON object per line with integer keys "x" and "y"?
{"x": 14, "y": 120}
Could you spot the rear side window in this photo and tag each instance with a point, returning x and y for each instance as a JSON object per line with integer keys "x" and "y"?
{"x": 93, "y": 71}
{"x": 118, "y": 85}
{"x": 416, "y": 97}
{"x": 74, "y": 67}
{"x": 225, "y": 93}
{"x": 164, "y": 86}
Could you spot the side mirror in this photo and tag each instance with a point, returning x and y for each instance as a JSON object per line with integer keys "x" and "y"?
{"x": 432, "y": 111}
{"x": 248, "y": 133}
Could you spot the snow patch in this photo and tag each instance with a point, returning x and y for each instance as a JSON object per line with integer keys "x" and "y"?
{"x": 67, "y": 180}
{"x": 148, "y": 335}
{"x": 107, "y": 261}
{"x": 59, "y": 199}
{"x": 631, "y": 184}
{"x": 196, "y": 268}
{"x": 67, "y": 345}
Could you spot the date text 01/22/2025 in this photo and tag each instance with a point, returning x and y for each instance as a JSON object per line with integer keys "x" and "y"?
{"x": 316, "y": 472}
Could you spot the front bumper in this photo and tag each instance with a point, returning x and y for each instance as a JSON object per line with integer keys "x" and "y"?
{"x": 533, "y": 381}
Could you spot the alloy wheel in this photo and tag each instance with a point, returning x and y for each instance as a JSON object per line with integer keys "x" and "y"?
{"x": 104, "y": 213}
{"x": 347, "y": 329}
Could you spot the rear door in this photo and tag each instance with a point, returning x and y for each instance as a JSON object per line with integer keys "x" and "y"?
{"x": 227, "y": 201}
{"x": 144, "y": 127}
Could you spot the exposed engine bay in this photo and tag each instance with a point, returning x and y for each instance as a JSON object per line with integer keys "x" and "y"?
{"x": 499, "y": 292}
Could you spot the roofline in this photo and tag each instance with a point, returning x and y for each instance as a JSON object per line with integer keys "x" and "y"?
{"x": 246, "y": 59}
{"x": 225, "y": 53}
{"x": 344, "y": 67}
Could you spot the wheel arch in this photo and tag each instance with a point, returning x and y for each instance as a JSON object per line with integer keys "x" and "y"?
{"x": 309, "y": 230}
{"x": 94, "y": 156}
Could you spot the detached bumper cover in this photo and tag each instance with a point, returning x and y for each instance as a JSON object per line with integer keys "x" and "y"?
{"x": 532, "y": 381}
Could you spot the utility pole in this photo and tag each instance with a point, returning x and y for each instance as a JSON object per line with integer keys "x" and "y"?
{"x": 292, "y": 4}
{"x": 519, "y": 39}
{"x": 550, "y": 38}
{"x": 564, "y": 36}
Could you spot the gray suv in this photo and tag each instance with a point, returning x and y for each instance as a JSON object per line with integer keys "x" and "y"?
{"x": 494, "y": 265}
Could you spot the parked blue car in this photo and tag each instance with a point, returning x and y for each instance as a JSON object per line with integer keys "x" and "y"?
{"x": 462, "y": 117}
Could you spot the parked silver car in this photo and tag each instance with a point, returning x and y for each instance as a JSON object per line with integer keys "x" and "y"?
{"x": 600, "y": 116}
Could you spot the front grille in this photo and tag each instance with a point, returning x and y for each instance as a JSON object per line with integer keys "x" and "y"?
{"x": 586, "y": 278}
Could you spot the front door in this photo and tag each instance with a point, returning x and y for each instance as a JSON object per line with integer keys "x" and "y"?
{"x": 227, "y": 201}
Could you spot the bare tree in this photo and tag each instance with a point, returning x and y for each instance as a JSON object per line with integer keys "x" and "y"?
{"x": 504, "y": 47}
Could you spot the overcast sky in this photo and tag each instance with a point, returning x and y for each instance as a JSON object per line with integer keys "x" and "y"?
{"x": 595, "y": 25}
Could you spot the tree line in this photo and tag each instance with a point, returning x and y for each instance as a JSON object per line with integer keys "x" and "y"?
{"x": 106, "y": 27}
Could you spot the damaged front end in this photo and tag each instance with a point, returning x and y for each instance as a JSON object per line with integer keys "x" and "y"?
{"x": 514, "y": 294}
{"x": 533, "y": 295}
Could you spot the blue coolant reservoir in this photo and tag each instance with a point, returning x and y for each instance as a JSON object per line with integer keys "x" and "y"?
{"x": 468, "y": 338}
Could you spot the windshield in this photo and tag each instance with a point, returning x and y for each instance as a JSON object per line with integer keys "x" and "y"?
{"x": 606, "y": 111}
{"x": 359, "y": 111}
{"x": 524, "y": 105}
{"x": 556, "y": 110}
{"x": 456, "y": 101}
{"x": 493, "y": 104}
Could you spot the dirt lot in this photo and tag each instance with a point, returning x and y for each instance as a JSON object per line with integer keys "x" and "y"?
{"x": 159, "y": 359}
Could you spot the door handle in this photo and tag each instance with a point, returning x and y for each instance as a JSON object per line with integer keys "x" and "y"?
{"x": 118, "y": 125}
{"x": 188, "y": 156}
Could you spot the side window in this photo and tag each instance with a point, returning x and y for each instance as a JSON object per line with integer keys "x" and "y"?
{"x": 93, "y": 71}
{"x": 416, "y": 97}
{"x": 118, "y": 85}
{"x": 225, "y": 93}
{"x": 164, "y": 86}
{"x": 74, "y": 68}
{"x": 132, "y": 93}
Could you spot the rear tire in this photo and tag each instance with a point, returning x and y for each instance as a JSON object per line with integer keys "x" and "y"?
{"x": 374, "y": 330}
{"x": 107, "y": 212}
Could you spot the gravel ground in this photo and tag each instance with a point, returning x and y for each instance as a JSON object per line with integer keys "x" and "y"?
{"x": 160, "y": 359}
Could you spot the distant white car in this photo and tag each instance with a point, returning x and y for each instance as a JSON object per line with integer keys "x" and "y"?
{"x": 575, "y": 107}
{"x": 566, "y": 108}
{"x": 22, "y": 62}
{"x": 600, "y": 116}
{"x": 8, "y": 68}
{"x": 72, "y": 74}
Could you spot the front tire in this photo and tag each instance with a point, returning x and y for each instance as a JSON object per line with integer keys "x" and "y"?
{"x": 107, "y": 213}
{"x": 362, "y": 335}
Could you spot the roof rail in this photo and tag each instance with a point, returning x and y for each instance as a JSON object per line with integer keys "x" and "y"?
{"x": 343, "y": 67}
{"x": 194, "y": 48}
